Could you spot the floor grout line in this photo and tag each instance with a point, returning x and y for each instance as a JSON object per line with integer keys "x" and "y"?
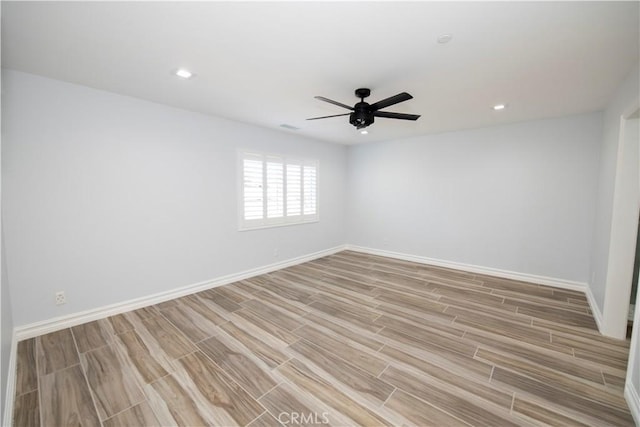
{"x": 263, "y": 412}
{"x": 383, "y": 371}
{"x": 389, "y": 397}
{"x": 84, "y": 375}
{"x": 36, "y": 344}
{"x": 268, "y": 391}
{"x": 126, "y": 409}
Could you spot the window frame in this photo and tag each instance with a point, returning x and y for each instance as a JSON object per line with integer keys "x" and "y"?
{"x": 284, "y": 220}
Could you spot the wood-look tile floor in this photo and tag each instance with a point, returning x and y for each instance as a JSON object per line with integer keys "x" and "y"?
{"x": 349, "y": 339}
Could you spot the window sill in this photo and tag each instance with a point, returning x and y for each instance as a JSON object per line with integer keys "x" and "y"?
{"x": 289, "y": 224}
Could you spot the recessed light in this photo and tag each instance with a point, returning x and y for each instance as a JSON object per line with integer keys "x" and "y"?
{"x": 499, "y": 107}
{"x": 364, "y": 131}
{"x": 184, "y": 74}
{"x": 444, "y": 38}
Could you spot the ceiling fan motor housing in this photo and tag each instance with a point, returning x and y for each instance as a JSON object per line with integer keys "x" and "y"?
{"x": 362, "y": 115}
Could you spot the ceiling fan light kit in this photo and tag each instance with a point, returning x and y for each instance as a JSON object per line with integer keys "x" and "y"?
{"x": 364, "y": 113}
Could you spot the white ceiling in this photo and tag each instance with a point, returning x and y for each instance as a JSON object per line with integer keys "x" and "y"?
{"x": 263, "y": 62}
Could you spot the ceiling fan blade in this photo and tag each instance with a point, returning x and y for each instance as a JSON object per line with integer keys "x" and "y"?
{"x": 326, "y": 117}
{"x": 331, "y": 101}
{"x": 401, "y": 97}
{"x": 401, "y": 116}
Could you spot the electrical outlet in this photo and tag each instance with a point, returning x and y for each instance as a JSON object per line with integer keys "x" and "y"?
{"x": 60, "y": 298}
{"x": 276, "y": 253}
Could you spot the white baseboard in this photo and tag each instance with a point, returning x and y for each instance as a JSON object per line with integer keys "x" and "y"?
{"x": 597, "y": 314}
{"x": 633, "y": 400}
{"x": 505, "y": 274}
{"x": 10, "y": 389}
{"x": 63, "y": 322}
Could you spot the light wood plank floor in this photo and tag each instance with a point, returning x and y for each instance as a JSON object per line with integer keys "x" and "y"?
{"x": 349, "y": 339}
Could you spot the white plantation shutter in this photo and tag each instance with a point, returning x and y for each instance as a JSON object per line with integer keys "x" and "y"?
{"x": 275, "y": 188}
{"x": 310, "y": 190}
{"x": 277, "y": 191}
{"x": 253, "y": 194}
{"x": 294, "y": 190}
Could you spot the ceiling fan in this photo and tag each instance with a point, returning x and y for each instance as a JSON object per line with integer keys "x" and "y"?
{"x": 363, "y": 113}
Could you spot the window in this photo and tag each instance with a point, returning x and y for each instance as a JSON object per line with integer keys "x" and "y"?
{"x": 277, "y": 190}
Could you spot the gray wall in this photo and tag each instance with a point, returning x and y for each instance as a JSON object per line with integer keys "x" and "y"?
{"x": 626, "y": 94}
{"x": 6, "y": 318}
{"x": 519, "y": 197}
{"x": 111, "y": 198}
